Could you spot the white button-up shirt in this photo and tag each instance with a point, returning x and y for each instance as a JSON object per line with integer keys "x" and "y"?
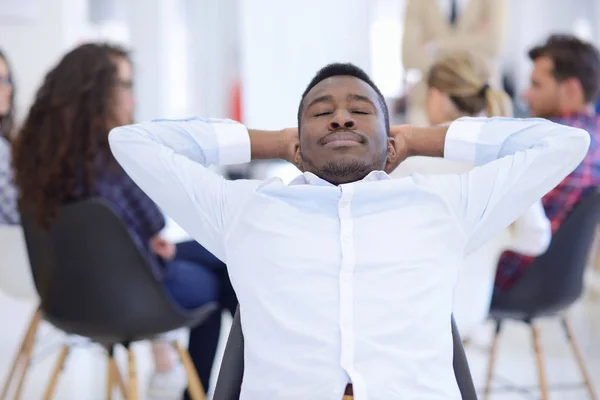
{"x": 530, "y": 234}
{"x": 349, "y": 283}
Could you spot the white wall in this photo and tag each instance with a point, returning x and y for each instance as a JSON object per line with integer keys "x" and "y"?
{"x": 213, "y": 49}
{"x": 35, "y": 44}
{"x": 155, "y": 38}
{"x": 283, "y": 44}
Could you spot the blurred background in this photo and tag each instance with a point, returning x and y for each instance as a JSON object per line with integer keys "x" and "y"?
{"x": 201, "y": 57}
{"x": 250, "y": 60}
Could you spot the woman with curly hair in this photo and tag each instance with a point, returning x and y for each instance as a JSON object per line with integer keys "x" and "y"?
{"x": 62, "y": 155}
{"x": 9, "y": 214}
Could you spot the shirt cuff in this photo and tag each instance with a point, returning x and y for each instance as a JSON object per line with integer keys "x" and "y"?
{"x": 233, "y": 142}
{"x": 463, "y": 140}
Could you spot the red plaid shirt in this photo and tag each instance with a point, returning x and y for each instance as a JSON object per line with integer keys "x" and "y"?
{"x": 560, "y": 200}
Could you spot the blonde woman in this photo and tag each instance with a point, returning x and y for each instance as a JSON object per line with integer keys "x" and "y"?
{"x": 457, "y": 86}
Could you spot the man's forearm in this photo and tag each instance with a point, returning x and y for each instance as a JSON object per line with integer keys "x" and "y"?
{"x": 267, "y": 145}
{"x": 427, "y": 141}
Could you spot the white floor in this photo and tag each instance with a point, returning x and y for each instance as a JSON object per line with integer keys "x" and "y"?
{"x": 84, "y": 375}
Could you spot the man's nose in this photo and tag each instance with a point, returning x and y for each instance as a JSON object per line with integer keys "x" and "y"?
{"x": 342, "y": 119}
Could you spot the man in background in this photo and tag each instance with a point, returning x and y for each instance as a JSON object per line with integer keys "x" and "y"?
{"x": 564, "y": 83}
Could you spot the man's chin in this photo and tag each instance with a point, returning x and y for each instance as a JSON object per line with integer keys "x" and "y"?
{"x": 340, "y": 171}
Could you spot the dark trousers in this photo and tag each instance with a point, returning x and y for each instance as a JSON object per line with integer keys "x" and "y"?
{"x": 194, "y": 278}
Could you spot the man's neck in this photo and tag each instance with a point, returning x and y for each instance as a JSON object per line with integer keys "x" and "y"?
{"x": 574, "y": 110}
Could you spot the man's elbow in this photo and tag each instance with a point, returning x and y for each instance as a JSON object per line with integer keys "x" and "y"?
{"x": 117, "y": 139}
{"x": 541, "y": 243}
{"x": 577, "y": 145}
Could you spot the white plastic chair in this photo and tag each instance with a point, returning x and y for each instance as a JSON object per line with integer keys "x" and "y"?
{"x": 16, "y": 281}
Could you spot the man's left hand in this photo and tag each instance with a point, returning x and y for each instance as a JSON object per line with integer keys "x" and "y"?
{"x": 399, "y": 136}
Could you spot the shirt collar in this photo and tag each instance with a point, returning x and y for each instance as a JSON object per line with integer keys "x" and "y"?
{"x": 308, "y": 178}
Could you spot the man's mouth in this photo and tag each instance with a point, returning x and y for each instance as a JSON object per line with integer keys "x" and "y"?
{"x": 342, "y": 138}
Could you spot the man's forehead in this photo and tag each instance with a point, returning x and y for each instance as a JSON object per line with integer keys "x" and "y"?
{"x": 543, "y": 65}
{"x": 341, "y": 84}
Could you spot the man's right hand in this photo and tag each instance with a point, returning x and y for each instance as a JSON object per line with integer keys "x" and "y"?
{"x": 282, "y": 144}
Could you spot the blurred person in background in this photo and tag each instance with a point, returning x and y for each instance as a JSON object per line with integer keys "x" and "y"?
{"x": 66, "y": 131}
{"x": 457, "y": 86}
{"x": 9, "y": 213}
{"x": 435, "y": 28}
{"x": 564, "y": 83}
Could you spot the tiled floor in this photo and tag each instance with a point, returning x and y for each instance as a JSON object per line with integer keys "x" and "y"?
{"x": 84, "y": 375}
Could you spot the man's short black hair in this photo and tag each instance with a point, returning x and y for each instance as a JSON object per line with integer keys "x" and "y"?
{"x": 572, "y": 58}
{"x": 345, "y": 69}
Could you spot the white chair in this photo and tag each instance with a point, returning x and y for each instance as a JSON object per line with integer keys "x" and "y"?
{"x": 16, "y": 282}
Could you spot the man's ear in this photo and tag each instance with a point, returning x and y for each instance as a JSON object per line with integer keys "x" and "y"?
{"x": 298, "y": 158}
{"x": 573, "y": 88}
{"x": 392, "y": 154}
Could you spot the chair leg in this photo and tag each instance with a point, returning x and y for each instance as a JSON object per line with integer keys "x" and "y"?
{"x": 539, "y": 361}
{"x": 57, "y": 370}
{"x": 132, "y": 387}
{"x": 113, "y": 375}
{"x": 110, "y": 379}
{"x": 195, "y": 388}
{"x": 579, "y": 358}
{"x": 118, "y": 379}
{"x": 26, "y": 343}
{"x": 492, "y": 360}
{"x": 27, "y": 349}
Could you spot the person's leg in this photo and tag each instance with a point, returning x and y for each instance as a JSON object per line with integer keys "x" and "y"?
{"x": 192, "y": 285}
{"x": 204, "y": 338}
{"x": 202, "y": 347}
{"x": 227, "y": 296}
{"x": 196, "y": 253}
{"x": 210, "y": 331}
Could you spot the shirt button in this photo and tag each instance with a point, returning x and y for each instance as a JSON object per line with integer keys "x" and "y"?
{"x": 346, "y": 239}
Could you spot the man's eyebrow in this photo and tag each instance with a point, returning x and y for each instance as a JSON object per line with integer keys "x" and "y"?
{"x": 358, "y": 97}
{"x": 321, "y": 99}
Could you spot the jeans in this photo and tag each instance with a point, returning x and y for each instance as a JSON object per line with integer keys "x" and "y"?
{"x": 193, "y": 278}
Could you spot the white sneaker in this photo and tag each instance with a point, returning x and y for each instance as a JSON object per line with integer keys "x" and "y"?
{"x": 167, "y": 385}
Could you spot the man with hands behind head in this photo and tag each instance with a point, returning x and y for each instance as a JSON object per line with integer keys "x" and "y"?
{"x": 345, "y": 277}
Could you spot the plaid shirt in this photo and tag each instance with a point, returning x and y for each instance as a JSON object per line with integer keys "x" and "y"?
{"x": 9, "y": 213}
{"x": 141, "y": 215}
{"x": 560, "y": 200}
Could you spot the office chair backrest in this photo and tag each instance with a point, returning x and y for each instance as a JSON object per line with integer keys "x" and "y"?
{"x": 555, "y": 279}
{"x": 229, "y": 382}
{"x": 91, "y": 277}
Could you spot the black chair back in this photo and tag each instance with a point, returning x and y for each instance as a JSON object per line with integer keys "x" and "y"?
{"x": 94, "y": 281}
{"x": 229, "y": 383}
{"x": 555, "y": 279}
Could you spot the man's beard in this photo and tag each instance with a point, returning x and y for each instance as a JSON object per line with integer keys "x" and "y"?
{"x": 345, "y": 172}
{"x": 340, "y": 172}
